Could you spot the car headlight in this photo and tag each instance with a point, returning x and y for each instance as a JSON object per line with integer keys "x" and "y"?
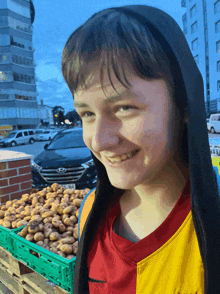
{"x": 36, "y": 166}
{"x": 88, "y": 163}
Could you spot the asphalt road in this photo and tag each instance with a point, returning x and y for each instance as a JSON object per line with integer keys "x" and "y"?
{"x": 32, "y": 149}
{"x": 38, "y": 147}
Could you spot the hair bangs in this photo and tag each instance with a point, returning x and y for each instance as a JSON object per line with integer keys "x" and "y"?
{"x": 109, "y": 40}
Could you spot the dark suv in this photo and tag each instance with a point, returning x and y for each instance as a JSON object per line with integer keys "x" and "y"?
{"x": 67, "y": 161}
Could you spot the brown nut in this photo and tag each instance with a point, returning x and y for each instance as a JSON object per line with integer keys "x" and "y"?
{"x": 21, "y": 223}
{"x": 47, "y": 232}
{"x": 66, "y": 248}
{"x": 54, "y": 236}
{"x": 75, "y": 247}
{"x": 39, "y": 236}
{"x": 33, "y": 227}
{"x": 29, "y": 237}
{"x": 24, "y": 232}
{"x": 62, "y": 228}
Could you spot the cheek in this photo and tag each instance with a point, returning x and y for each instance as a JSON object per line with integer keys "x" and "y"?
{"x": 149, "y": 129}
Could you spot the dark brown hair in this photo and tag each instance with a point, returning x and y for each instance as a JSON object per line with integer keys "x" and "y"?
{"x": 110, "y": 37}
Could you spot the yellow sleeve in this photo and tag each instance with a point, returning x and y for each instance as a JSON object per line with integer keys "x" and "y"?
{"x": 85, "y": 208}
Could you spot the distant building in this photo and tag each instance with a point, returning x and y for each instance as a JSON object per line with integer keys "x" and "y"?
{"x": 18, "y": 95}
{"x": 45, "y": 114}
{"x": 201, "y": 26}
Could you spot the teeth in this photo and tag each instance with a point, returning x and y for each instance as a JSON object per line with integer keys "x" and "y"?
{"x": 121, "y": 158}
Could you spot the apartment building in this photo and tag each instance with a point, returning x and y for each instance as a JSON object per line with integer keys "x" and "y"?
{"x": 201, "y": 26}
{"x": 18, "y": 95}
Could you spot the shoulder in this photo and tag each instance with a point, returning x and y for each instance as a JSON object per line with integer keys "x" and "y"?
{"x": 85, "y": 209}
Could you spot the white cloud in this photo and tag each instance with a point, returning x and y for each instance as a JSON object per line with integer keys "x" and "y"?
{"x": 63, "y": 88}
{"x": 46, "y": 71}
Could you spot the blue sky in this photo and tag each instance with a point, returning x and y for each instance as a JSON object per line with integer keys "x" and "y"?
{"x": 53, "y": 25}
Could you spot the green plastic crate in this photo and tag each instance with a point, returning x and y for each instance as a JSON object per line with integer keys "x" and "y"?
{"x": 55, "y": 268}
{"x": 5, "y": 240}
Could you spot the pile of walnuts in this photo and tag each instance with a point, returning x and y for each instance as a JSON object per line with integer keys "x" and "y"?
{"x": 50, "y": 217}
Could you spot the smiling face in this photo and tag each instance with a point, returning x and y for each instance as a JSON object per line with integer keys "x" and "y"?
{"x": 145, "y": 119}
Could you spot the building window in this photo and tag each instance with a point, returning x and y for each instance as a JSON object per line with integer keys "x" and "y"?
{"x": 21, "y": 60}
{"x": 3, "y": 58}
{"x": 218, "y": 66}
{"x": 218, "y": 47}
{"x": 217, "y": 27}
{"x": 218, "y": 86}
{"x": 194, "y": 44}
{"x": 3, "y": 21}
{"x": 196, "y": 59}
{"x": 194, "y": 27}
{"x": 20, "y": 97}
{"x": 217, "y": 7}
{"x": 193, "y": 11}
{"x": 4, "y": 96}
{"x": 16, "y": 43}
{"x": 23, "y": 78}
{"x": 184, "y": 20}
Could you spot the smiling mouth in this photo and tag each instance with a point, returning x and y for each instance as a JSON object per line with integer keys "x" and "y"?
{"x": 124, "y": 157}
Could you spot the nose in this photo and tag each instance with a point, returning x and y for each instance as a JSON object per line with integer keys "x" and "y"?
{"x": 105, "y": 135}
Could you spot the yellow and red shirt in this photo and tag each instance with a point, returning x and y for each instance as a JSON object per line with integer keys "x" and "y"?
{"x": 167, "y": 261}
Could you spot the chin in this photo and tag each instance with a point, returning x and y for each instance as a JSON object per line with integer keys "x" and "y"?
{"x": 122, "y": 184}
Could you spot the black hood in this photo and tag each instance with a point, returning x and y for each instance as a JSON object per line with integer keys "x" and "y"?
{"x": 205, "y": 203}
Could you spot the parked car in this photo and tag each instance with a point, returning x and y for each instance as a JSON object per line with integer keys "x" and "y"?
{"x": 66, "y": 160}
{"x": 47, "y": 135}
{"x": 214, "y": 123}
{"x": 37, "y": 133}
{"x": 208, "y": 123}
{"x": 18, "y": 137}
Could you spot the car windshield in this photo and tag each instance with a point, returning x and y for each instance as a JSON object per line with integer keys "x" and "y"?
{"x": 39, "y": 132}
{"x": 11, "y": 135}
{"x": 67, "y": 140}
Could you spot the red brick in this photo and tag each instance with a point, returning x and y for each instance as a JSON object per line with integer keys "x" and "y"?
{"x": 24, "y": 170}
{"x": 8, "y": 173}
{"x": 20, "y": 179}
{"x": 4, "y": 183}
{"x": 2, "y": 165}
{"x": 4, "y": 199}
{"x": 18, "y": 163}
{"x": 9, "y": 189}
{"x": 17, "y": 195}
{"x": 27, "y": 185}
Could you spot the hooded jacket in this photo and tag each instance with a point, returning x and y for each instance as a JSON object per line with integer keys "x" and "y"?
{"x": 204, "y": 178}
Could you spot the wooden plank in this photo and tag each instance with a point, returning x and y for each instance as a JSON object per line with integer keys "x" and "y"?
{"x": 13, "y": 265}
{"x": 9, "y": 282}
{"x": 4, "y": 289}
{"x": 20, "y": 279}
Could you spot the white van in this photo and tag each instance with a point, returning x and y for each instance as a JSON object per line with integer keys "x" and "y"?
{"x": 18, "y": 137}
{"x": 214, "y": 123}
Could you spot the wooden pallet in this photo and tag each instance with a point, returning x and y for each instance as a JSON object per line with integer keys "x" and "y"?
{"x": 20, "y": 279}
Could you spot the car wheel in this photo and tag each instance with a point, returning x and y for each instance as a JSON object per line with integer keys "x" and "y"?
{"x": 31, "y": 141}
{"x": 13, "y": 144}
{"x": 213, "y": 130}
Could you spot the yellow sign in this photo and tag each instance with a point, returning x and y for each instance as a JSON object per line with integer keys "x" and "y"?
{"x": 216, "y": 162}
{"x": 6, "y": 127}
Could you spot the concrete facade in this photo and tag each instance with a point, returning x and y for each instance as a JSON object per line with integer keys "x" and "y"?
{"x": 18, "y": 94}
{"x": 201, "y": 26}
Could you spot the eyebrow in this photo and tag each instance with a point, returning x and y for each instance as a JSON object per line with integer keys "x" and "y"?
{"x": 110, "y": 100}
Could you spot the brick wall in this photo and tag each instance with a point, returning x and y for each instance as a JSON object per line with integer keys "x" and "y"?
{"x": 15, "y": 175}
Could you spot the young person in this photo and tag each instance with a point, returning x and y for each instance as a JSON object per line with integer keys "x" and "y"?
{"x": 152, "y": 223}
